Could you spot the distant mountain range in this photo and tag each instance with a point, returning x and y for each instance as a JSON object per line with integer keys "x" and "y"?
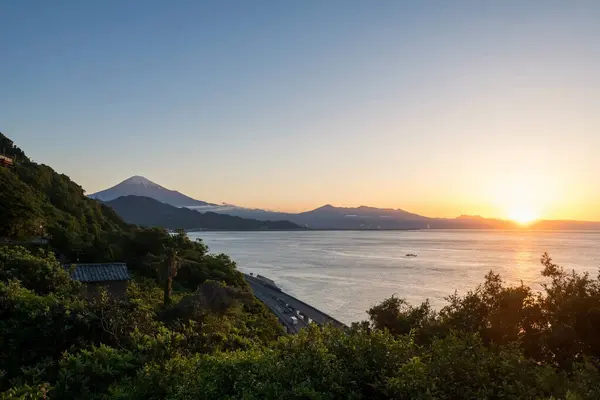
{"x": 328, "y": 216}
{"x": 146, "y": 211}
{"x": 363, "y": 217}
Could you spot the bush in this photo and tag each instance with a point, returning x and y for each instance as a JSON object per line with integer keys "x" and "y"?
{"x": 330, "y": 364}
{"x": 40, "y": 272}
{"x": 34, "y": 327}
{"x": 558, "y": 326}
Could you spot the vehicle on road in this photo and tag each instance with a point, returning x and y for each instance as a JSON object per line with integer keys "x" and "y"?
{"x": 294, "y": 320}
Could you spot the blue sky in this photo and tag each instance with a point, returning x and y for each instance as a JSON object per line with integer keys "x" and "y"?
{"x": 437, "y": 107}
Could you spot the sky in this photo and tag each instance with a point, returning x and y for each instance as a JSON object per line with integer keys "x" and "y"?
{"x": 439, "y": 108}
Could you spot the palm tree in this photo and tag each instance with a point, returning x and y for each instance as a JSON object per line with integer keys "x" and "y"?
{"x": 171, "y": 265}
{"x": 167, "y": 264}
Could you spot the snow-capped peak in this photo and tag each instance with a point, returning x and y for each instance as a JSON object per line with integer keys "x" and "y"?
{"x": 140, "y": 180}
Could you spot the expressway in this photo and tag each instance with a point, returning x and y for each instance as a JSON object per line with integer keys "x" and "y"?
{"x": 281, "y": 303}
{"x": 283, "y": 312}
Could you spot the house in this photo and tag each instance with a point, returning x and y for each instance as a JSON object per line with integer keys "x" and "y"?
{"x": 113, "y": 276}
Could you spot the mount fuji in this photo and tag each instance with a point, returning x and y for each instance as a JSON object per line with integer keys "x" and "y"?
{"x": 140, "y": 186}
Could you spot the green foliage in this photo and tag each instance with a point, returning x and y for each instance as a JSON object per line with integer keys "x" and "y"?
{"x": 400, "y": 318}
{"x": 571, "y": 314}
{"x": 50, "y": 333}
{"x": 499, "y": 314}
{"x": 219, "y": 342}
{"x": 37, "y": 201}
{"x": 214, "y": 267}
{"x": 8, "y": 148}
{"x": 26, "y": 392}
{"x": 35, "y": 327}
{"x": 40, "y": 273}
{"x": 558, "y": 326}
{"x": 329, "y": 364}
{"x": 221, "y": 317}
{"x": 89, "y": 373}
{"x": 19, "y": 208}
{"x": 212, "y": 339}
{"x": 463, "y": 367}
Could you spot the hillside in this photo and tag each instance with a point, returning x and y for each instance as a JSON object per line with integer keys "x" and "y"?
{"x": 140, "y": 186}
{"x": 146, "y": 211}
{"x": 37, "y": 201}
{"x": 179, "y": 294}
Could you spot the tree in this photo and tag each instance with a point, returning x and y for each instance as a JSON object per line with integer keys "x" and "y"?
{"x": 171, "y": 265}
{"x": 19, "y": 208}
{"x": 167, "y": 263}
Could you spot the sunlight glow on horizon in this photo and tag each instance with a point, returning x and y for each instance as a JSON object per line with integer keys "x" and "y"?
{"x": 478, "y": 108}
{"x": 523, "y": 216}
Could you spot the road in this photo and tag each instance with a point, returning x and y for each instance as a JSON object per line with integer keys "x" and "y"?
{"x": 274, "y": 298}
{"x": 278, "y": 308}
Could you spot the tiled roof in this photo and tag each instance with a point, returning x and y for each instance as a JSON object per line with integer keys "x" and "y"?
{"x": 99, "y": 272}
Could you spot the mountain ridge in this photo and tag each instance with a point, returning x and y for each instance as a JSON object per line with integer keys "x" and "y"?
{"x": 149, "y": 212}
{"x": 329, "y": 216}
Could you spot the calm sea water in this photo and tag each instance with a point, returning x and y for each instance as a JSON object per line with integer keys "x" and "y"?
{"x": 344, "y": 273}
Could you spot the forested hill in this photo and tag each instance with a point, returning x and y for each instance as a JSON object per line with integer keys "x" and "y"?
{"x": 37, "y": 201}
{"x": 145, "y": 211}
{"x": 181, "y": 299}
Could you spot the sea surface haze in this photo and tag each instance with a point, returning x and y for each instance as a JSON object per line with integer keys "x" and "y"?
{"x": 344, "y": 273}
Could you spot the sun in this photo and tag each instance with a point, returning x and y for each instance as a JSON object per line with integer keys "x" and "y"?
{"x": 523, "y": 215}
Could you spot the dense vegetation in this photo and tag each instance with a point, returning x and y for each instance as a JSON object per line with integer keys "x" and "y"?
{"x": 191, "y": 329}
{"x": 37, "y": 201}
{"x": 145, "y": 211}
{"x": 217, "y": 342}
{"x": 181, "y": 297}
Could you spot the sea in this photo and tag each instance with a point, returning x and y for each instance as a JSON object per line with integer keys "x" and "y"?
{"x": 344, "y": 273}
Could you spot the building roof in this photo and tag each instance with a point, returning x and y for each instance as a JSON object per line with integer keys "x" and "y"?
{"x": 99, "y": 272}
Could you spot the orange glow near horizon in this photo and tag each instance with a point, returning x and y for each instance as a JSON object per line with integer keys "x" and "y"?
{"x": 523, "y": 215}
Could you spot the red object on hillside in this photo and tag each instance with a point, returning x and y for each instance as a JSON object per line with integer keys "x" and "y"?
{"x": 6, "y": 162}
